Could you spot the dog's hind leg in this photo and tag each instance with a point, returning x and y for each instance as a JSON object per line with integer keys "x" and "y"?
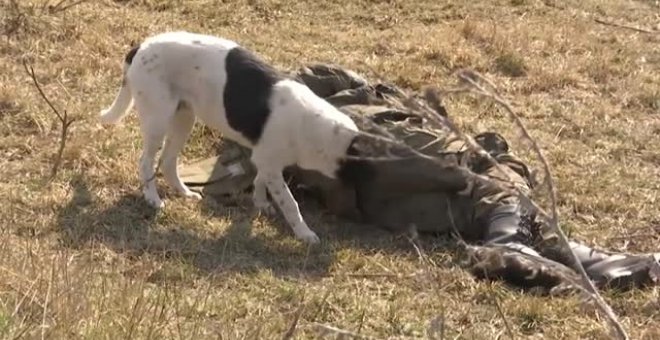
{"x": 177, "y": 135}
{"x": 155, "y": 115}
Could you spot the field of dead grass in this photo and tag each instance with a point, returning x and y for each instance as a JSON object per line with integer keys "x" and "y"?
{"x": 82, "y": 257}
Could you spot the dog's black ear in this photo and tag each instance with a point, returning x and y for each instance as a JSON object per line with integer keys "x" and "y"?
{"x": 131, "y": 54}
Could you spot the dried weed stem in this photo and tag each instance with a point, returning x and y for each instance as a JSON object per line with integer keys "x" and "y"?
{"x": 64, "y": 119}
{"x": 340, "y": 333}
{"x": 473, "y": 83}
{"x": 632, "y": 28}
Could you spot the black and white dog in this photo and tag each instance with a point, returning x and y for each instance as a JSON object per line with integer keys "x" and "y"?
{"x": 175, "y": 77}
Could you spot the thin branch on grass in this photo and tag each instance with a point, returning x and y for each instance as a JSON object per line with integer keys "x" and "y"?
{"x": 379, "y": 275}
{"x": 636, "y": 29}
{"x": 362, "y": 316}
{"x": 437, "y": 117}
{"x": 630, "y": 236}
{"x": 472, "y": 83}
{"x": 323, "y": 302}
{"x": 471, "y": 78}
{"x": 48, "y": 292}
{"x": 294, "y": 323}
{"x": 468, "y": 77}
{"x": 64, "y": 118}
{"x": 327, "y": 329}
{"x": 501, "y": 313}
{"x": 61, "y": 6}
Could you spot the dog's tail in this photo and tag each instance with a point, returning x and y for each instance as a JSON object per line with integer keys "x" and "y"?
{"x": 124, "y": 100}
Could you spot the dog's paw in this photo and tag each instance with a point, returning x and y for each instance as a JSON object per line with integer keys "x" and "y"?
{"x": 308, "y": 237}
{"x": 155, "y": 202}
{"x": 195, "y": 196}
{"x": 266, "y": 209}
{"x": 264, "y": 206}
{"x": 153, "y": 199}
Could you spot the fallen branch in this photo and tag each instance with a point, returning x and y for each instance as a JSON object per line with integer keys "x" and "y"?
{"x": 501, "y": 313}
{"x": 472, "y": 80}
{"x": 64, "y": 119}
{"x": 472, "y": 83}
{"x": 294, "y": 323}
{"x": 62, "y": 6}
{"x": 327, "y": 329}
{"x": 379, "y": 275}
{"x": 469, "y": 78}
{"x": 437, "y": 116}
{"x": 636, "y": 29}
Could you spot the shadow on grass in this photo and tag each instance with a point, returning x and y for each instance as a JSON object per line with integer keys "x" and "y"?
{"x": 132, "y": 228}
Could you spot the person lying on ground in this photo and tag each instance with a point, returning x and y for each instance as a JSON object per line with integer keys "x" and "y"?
{"x": 407, "y": 193}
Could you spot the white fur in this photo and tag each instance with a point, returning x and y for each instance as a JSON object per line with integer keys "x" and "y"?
{"x": 303, "y": 129}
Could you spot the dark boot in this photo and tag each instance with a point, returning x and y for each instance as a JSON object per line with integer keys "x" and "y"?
{"x": 507, "y": 228}
{"x": 606, "y": 269}
{"x": 619, "y": 271}
{"x": 506, "y": 255}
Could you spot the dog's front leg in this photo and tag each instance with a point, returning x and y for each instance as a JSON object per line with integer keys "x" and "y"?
{"x": 288, "y": 205}
{"x": 260, "y": 197}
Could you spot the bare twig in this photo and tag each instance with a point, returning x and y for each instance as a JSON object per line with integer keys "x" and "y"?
{"x": 64, "y": 119}
{"x": 636, "y": 29}
{"x": 501, "y": 313}
{"x": 379, "y": 275}
{"x": 294, "y": 323}
{"x": 52, "y": 9}
{"x": 469, "y": 77}
{"x": 327, "y": 329}
{"x": 472, "y": 82}
{"x": 636, "y": 235}
{"x": 48, "y": 292}
{"x": 362, "y": 316}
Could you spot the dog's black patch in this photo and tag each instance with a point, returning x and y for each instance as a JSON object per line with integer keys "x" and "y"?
{"x": 247, "y": 92}
{"x": 131, "y": 54}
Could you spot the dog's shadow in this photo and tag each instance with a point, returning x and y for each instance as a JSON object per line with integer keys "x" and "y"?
{"x": 132, "y": 228}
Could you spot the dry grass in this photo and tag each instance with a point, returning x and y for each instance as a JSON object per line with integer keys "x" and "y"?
{"x": 83, "y": 256}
